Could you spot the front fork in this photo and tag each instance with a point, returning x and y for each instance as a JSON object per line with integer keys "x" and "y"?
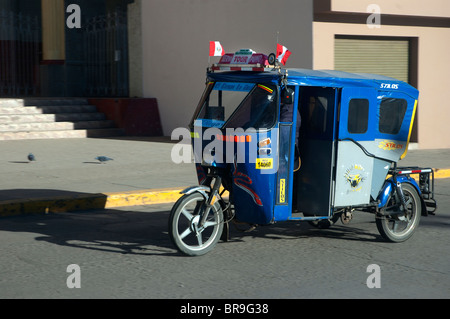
{"x": 400, "y": 196}
{"x": 210, "y": 200}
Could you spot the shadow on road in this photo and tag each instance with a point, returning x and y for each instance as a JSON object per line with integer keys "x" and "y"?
{"x": 145, "y": 232}
{"x": 115, "y": 231}
{"x": 300, "y": 230}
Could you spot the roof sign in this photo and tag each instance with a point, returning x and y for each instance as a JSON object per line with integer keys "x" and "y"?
{"x": 243, "y": 60}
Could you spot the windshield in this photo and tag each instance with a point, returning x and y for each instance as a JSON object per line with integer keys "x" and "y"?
{"x": 238, "y": 105}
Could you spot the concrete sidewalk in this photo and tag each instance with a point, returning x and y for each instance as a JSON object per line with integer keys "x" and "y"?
{"x": 66, "y": 176}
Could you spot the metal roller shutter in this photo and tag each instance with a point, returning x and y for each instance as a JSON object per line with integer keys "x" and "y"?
{"x": 378, "y": 56}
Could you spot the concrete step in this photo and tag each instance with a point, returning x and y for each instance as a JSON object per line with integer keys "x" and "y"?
{"x": 43, "y": 101}
{"x": 48, "y": 109}
{"x": 46, "y": 118}
{"x": 43, "y": 118}
{"x": 55, "y": 126}
{"x": 61, "y": 134}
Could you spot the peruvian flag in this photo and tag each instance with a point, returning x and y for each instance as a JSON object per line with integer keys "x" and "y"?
{"x": 283, "y": 54}
{"x": 216, "y": 49}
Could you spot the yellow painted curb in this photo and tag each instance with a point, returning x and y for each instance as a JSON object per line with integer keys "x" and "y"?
{"x": 438, "y": 173}
{"x": 145, "y": 197}
{"x": 52, "y": 205}
{"x": 88, "y": 202}
{"x": 441, "y": 173}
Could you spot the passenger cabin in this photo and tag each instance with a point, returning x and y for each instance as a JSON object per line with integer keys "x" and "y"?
{"x": 353, "y": 127}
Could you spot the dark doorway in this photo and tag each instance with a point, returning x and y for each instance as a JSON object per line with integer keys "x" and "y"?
{"x": 20, "y": 47}
{"x": 93, "y": 59}
{"x": 106, "y": 54}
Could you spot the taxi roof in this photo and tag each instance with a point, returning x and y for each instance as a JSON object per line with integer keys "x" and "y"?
{"x": 322, "y": 78}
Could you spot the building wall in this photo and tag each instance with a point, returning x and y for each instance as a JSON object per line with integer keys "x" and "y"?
{"x": 176, "y": 35}
{"x": 433, "y": 8}
{"x": 433, "y": 61}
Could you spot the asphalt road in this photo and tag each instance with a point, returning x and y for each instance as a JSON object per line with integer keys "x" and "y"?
{"x": 126, "y": 253}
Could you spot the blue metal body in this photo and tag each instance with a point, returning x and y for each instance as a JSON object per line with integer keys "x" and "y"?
{"x": 264, "y": 196}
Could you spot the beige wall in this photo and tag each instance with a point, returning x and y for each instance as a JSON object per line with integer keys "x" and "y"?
{"x": 176, "y": 35}
{"x": 436, "y": 8}
{"x": 433, "y": 71}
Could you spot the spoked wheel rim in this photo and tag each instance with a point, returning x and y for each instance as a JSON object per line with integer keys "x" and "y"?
{"x": 185, "y": 231}
{"x": 400, "y": 225}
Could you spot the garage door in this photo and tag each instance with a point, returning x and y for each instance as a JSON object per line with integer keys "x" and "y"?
{"x": 378, "y": 56}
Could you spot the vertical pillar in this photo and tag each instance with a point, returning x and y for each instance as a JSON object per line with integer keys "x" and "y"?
{"x": 53, "y": 30}
{"x": 135, "y": 48}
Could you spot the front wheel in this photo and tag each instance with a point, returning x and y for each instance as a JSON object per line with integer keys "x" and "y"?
{"x": 184, "y": 229}
{"x": 397, "y": 226}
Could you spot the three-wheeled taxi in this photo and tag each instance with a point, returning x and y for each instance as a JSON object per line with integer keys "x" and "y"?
{"x": 275, "y": 144}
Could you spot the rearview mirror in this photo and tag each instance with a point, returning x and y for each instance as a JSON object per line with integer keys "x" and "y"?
{"x": 287, "y": 96}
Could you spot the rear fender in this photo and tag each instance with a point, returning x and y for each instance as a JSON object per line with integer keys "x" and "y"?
{"x": 388, "y": 189}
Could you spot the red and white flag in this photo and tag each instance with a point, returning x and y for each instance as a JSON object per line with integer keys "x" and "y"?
{"x": 283, "y": 54}
{"x": 216, "y": 49}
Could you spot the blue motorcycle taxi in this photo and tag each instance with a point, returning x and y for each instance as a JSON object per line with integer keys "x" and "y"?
{"x": 275, "y": 144}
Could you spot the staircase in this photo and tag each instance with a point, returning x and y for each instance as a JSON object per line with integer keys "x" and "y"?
{"x": 53, "y": 118}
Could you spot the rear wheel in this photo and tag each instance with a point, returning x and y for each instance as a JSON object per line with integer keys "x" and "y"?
{"x": 395, "y": 225}
{"x": 184, "y": 229}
